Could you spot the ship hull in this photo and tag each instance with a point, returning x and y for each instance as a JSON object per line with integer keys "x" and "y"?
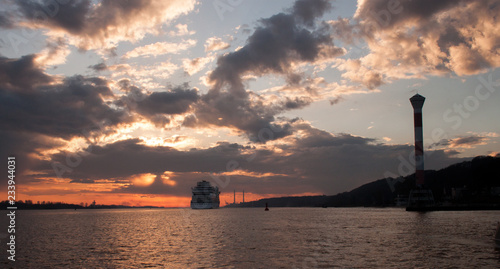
{"x": 204, "y": 205}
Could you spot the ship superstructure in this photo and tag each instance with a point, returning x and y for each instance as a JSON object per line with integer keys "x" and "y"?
{"x": 205, "y": 196}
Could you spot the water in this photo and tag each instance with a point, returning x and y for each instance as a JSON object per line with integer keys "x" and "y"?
{"x": 253, "y": 238}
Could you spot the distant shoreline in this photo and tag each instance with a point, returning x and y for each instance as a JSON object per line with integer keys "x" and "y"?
{"x": 428, "y": 209}
{"x": 59, "y": 205}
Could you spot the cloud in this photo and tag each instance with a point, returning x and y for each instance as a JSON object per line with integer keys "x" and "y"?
{"x": 336, "y": 100}
{"x": 27, "y": 148}
{"x": 37, "y": 103}
{"x": 55, "y": 53}
{"x": 279, "y": 43}
{"x": 5, "y": 21}
{"x": 98, "y": 67}
{"x": 61, "y": 110}
{"x": 311, "y": 161}
{"x": 176, "y": 101}
{"x": 154, "y": 160}
{"x": 414, "y": 39}
{"x": 215, "y": 43}
{"x": 307, "y": 11}
{"x": 251, "y": 118}
{"x": 47, "y": 115}
{"x": 182, "y": 30}
{"x": 193, "y": 66}
{"x": 465, "y": 61}
{"x": 144, "y": 75}
{"x": 356, "y": 72}
{"x": 388, "y": 14}
{"x": 22, "y": 74}
{"x": 42, "y": 113}
{"x": 275, "y": 45}
{"x": 160, "y": 48}
{"x": 295, "y": 103}
{"x": 465, "y": 142}
{"x": 100, "y": 25}
{"x": 70, "y": 16}
{"x": 311, "y": 89}
{"x": 157, "y": 106}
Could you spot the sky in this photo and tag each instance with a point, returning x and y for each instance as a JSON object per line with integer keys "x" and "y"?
{"x": 133, "y": 102}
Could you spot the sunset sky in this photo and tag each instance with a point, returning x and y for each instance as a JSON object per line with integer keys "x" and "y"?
{"x": 133, "y": 102}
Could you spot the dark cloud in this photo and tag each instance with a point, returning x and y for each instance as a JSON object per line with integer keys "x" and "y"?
{"x": 317, "y": 161}
{"x": 175, "y": 101}
{"x": 308, "y": 10}
{"x": 98, "y": 67}
{"x": 253, "y": 118}
{"x": 59, "y": 110}
{"x": 336, "y": 100}
{"x": 462, "y": 142}
{"x": 22, "y": 73}
{"x": 279, "y": 41}
{"x": 296, "y": 103}
{"x": 5, "y": 21}
{"x": 450, "y": 37}
{"x": 26, "y": 148}
{"x": 334, "y": 163}
{"x": 102, "y": 24}
{"x": 318, "y": 138}
{"x": 71, "y": 16}
{"x": 129, "y": 157}
{"x": 470, "y": 140}
{"x": 39, "y": 112}
{"x": 157, "y": 106}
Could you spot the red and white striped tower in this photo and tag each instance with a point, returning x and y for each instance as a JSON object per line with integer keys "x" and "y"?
{"x": 417, "y": 101}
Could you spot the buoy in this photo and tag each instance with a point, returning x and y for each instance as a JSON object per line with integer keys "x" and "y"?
{"x": 267, "y": 209}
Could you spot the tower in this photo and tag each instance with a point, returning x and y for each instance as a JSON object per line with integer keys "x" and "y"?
{"x": 421, "y": 199}
{"x": 417, "y": 101}
{"x": 243, "y": 196}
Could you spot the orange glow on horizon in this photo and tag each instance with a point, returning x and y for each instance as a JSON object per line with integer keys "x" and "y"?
{"x": 129, "y": 199}
{"x": 110, "y": 192}
{"x": 113, "y": 199}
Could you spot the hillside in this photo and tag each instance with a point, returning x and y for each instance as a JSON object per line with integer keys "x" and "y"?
{"x": 470, "y": 182}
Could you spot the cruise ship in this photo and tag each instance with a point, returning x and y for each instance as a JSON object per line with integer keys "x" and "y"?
{"x": 205, "y": 196}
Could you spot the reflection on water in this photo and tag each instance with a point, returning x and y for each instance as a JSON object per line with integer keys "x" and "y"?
{"x": 253, "y": 238}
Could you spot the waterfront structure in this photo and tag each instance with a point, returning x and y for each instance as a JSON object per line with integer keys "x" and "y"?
{"x": 417, "y": 101}
{"x": 420, "y": 198}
